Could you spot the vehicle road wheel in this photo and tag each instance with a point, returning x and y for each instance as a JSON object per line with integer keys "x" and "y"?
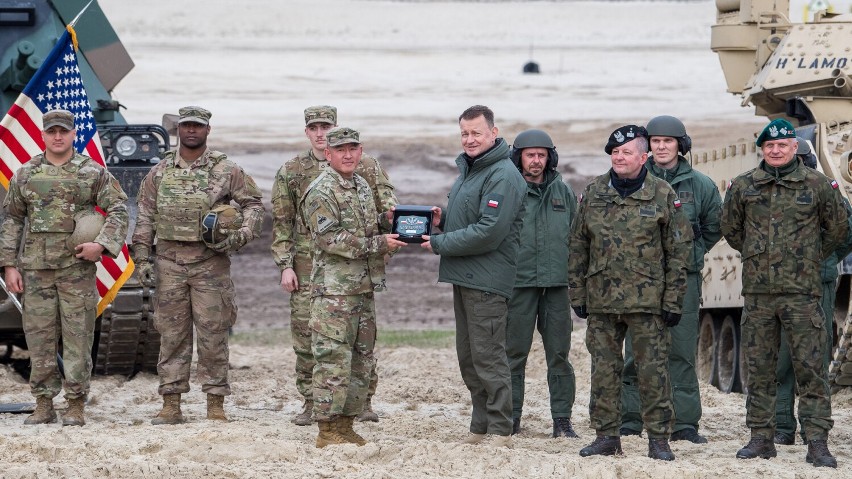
{"x": 728, "y": 355}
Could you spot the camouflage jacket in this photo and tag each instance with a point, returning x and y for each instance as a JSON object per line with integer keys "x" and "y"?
{"x": 49, "y": 196}
{"x": 348, "y": 243}
{"x": 701, "y": 202}
{"x": 549, "y": 209}
{"x": 215, "y": 180}
{"x": 784, "y": 228}
{"x": 629, "y": 255}
{"x": 291, "y": 243}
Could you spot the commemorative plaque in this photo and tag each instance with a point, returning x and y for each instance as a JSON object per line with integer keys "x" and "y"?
{"x": 412, "y": 221}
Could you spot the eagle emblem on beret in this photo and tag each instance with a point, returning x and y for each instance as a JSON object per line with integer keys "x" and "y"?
{"x": 773, "y": 131}
{"x": 618, "y": 136}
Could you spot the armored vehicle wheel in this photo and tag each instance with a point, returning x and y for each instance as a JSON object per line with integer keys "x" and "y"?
{"x": 706, "y": 360}
{"x": 728, "y": 355}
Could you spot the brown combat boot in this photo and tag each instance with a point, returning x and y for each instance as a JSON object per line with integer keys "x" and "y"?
{"x": 603, "y": 446}
{"x": 819, "y": 455}
{"x": 328, "y": 434}
{"x": 758, "y": 447}
{"x": 74, "y": 414}
{"x": 659, "y": 449}
{"x": 344, "y": 427}
{"x": 305, "y": 418}
{"x": 367, "y": 413}
{"x": 44, "y": 412}
{"x": 170, "y": 414}
{"x": 216, "y": 407}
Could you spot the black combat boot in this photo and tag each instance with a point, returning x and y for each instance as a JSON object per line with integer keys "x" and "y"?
{"x": 689, "y": 434}
{"x": 784, "y": 439}
{"x": 758, "y": 447}
{"x": 818, "y": 454}
{"x": 562, "y": 427}
{"x": 603, "y": 446}
{"x": 659, "y": 449}
{"x": 516, "y": 425}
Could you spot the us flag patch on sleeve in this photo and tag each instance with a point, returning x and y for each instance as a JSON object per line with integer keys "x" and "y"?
{"x": 493, "y": 203}
{"x": 834, "y": 184}
{"x": 677, "y": 204}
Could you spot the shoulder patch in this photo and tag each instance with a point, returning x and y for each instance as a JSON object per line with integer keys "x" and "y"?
{"x": 834, "y": 184}
{"x": 677, "y": 204}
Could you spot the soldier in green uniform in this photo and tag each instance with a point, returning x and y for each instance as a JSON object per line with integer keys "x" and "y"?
{"x": 540, "y": 298}
{"x": 785, "y": 219}
{"x": 349, "y": 248}
{"x": 479, "y": 247}
{"x": 627, "y": 269}
{"x": 702, "y": 204}
{"x": 60, "y": 297}
{"x": 291, "y": 244}
{"x": 194, "y": 287}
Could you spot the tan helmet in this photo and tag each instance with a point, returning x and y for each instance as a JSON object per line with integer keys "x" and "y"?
{"x": 220, "y": 221}
{"x": 87, "y": 227}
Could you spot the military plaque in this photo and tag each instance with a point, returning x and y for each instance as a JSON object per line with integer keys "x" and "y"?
{"x": 412, "y": 221}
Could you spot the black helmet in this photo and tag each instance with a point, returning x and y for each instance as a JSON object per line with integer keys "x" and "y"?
{"x": 805, "y": 153}
{"x": 665, "y": 125}
{"x": 534, "y": 139}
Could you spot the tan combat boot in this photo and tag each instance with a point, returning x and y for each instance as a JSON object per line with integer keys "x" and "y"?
{"x": 74, "y": 414}
{"x": 304, "y": 418}
{"x": 170, "y": 414}
{"x": 216, "y": 407}
{"x": 328, "y": 434}
{"x": 367, "y": 413}
{"x": 344, "y": 427}
{"x": 44, "y": 412}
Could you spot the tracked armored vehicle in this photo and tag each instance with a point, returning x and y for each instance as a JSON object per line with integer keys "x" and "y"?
{"x": 125, "y": 341}
{"x": 796, "y": 71}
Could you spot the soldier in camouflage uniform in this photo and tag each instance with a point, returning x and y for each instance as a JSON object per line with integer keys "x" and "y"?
{"x": 785, "y": 219}
{"x": 194, "y": 286}
{"x": 348, "y": 266}
{"x": 291, "y": 244}
{"x": 627, "y": 266}
{"x": 58, "y": 278}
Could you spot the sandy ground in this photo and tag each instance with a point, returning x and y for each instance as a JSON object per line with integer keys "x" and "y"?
{"x": 401, "y": 72}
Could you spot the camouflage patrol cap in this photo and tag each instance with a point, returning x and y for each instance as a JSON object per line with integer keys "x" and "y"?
{"x": 341, "y": 136}
{"x": 63, "y": 118}
{"x": 194, "y": 114}
{"x": 777, "y": 129}
{"x": 320, "y": 114}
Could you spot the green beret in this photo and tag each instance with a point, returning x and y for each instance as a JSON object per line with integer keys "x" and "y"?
{"x": 777, "y": 129}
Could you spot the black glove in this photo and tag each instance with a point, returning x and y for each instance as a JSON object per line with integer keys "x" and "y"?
{"x": 580, "y": 311}
{"x": 671, "y": 319}
{"x": 696, "y": 232}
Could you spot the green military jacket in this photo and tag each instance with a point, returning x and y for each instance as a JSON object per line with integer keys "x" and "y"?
{"x": 629, "y": 255}
{"x": 549, "y": 209}
{"x": 291, "y": 243}
{"x": 784, "y": 228}
{"x": 347, "y": 234}
{"x": 48, "y": 196}
{"x": 482, "y": 224}
{"x": 210, "y": 180}
{"x": 701, "y": 202}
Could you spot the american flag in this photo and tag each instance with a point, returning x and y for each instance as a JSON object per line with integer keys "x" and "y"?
{"x": 57, "y": 84}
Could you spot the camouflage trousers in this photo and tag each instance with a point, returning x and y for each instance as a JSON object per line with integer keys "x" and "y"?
{"x": 604, "y": 338}
{"x": 481, "y": 347}
{"x": 200, "y": 296}
{"x": 344, "y": 335}
{"x": 802, "y": 319}
{"x": 686, "y": 396}
{"x": 786, "y": 398}
{"x": 547, "y": 310}
{"x": 60, "y": 302}
{"x": 300, "y": 331}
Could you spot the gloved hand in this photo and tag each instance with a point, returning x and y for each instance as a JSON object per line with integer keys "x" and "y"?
{"x": 671, "y": 319}
{"x": 233, "y": 242}
{"x": 145, "y": 270}
{"x": 696, "y": 232}
{"x": 581, "y": 311}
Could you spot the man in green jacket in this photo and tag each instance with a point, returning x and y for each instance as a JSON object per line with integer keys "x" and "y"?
{"x": 479, "y": 249}
{"x": 540, "y": 297}
{"x": 702, "y": 204}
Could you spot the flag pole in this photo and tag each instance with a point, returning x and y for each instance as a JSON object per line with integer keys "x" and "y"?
{"x": 74, "y": 22}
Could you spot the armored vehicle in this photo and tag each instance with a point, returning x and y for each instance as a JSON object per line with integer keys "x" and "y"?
{"x": 784, "y": 70}
{"x": 125, "y": 341}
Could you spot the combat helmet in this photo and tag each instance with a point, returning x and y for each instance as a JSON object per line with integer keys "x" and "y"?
{"x": 220, "y": 221}
{"x": 534, "y": 139}
{"x": 665, "y": 125}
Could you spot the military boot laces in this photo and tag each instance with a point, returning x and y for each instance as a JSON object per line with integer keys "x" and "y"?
{"x": 689, "y": 434}
{"x": 818, "y": 454}
{"x": 659, "y": 449}
{"x": 304, "y": 418}
{"x": 344, "y": 427}
{"x": 562, "y": 427}
{"x": 74, "y": 414}
{"x": 44, "y": 412}
{"x": 170, "y": 414}
{"x": 367, "y": 413}
{"x": 328, "y": 434}
{"x": 758, "y": 447}
{"x": 216, "y": 407}
{"x": 603, "y": 446}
